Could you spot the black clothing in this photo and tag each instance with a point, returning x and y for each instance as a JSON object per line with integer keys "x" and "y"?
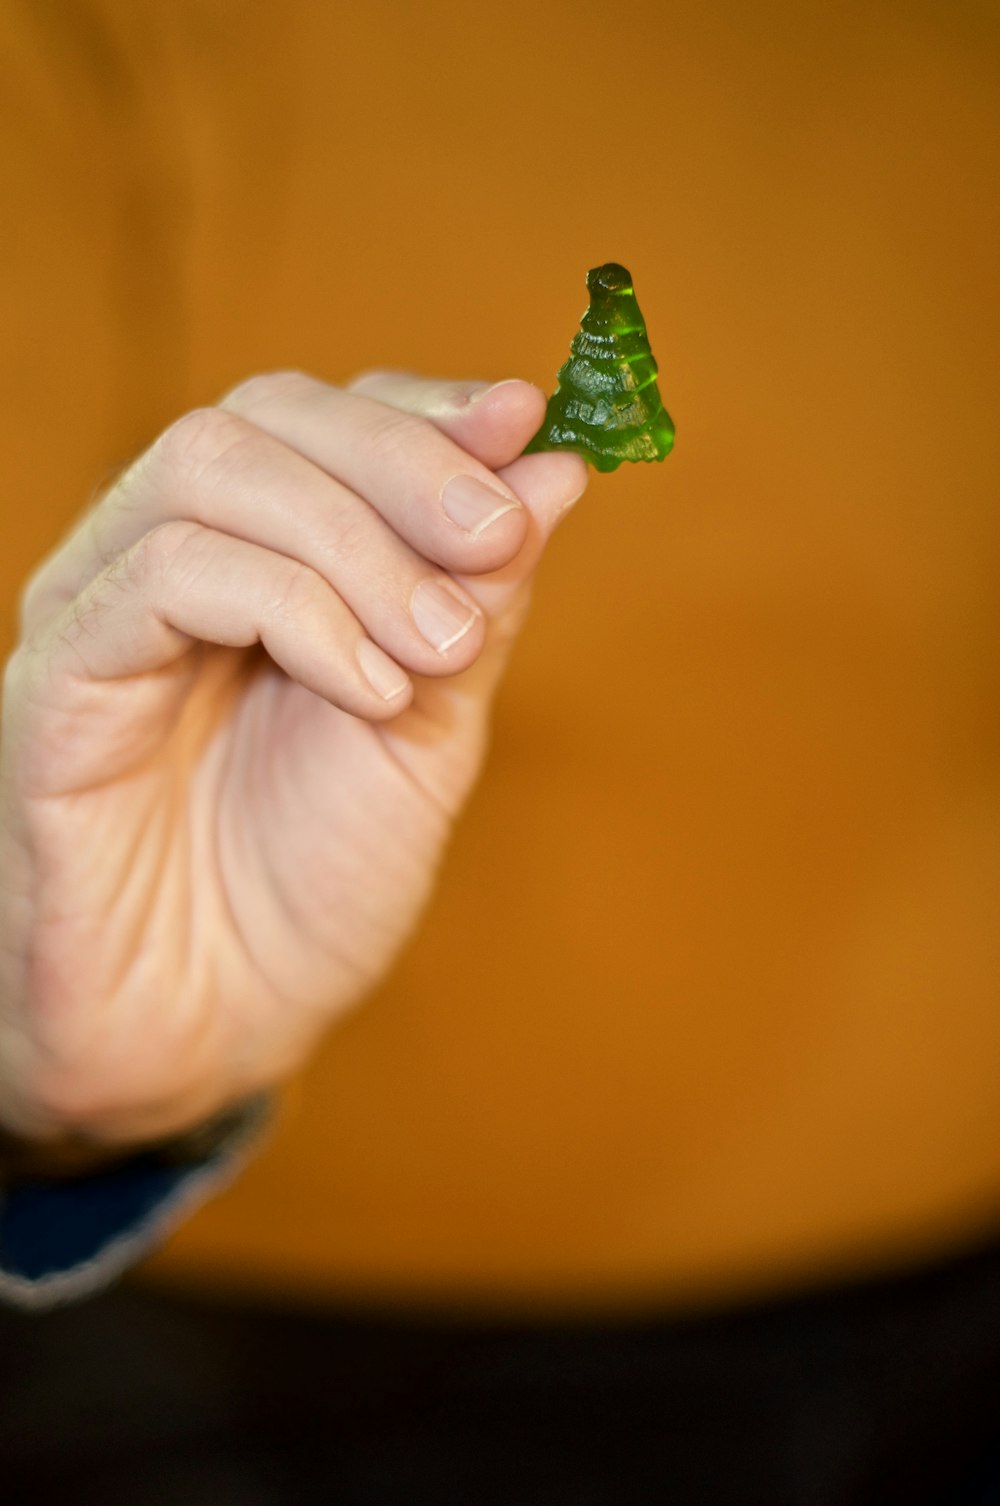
{"x": 885, "y": 1393}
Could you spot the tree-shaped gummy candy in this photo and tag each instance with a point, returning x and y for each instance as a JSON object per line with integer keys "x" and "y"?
{"x": 606, "y": 404}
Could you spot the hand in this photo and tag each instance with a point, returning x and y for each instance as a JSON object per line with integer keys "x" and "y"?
{"x": 250, "y": 697}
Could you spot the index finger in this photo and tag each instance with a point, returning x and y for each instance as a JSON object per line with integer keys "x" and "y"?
{"x": 491, "y": 420}
{"x": 446, "y": 504}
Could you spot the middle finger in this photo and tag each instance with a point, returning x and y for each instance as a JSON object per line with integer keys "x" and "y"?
{"x": 443, "y": 501}
{"x": 216, "y": 469}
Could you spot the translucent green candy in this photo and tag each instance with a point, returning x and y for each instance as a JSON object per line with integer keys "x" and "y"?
{"x": 606, "y": 404}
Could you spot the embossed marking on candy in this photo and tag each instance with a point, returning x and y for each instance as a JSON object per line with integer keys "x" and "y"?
{"x": 606, "y": 404}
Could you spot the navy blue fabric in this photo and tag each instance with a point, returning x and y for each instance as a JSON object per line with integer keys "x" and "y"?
{"x": 61, "y": 1239}
{"x": 48, "y": 1227}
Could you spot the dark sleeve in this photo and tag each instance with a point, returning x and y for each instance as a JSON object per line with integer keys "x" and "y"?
{"x": 63, "y": 1239}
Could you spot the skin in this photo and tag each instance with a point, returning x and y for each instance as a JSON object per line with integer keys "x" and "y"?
{"x": 216, "y": 830}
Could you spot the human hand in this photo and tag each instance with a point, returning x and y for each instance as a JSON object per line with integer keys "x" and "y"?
{"x": 250, "y": 696}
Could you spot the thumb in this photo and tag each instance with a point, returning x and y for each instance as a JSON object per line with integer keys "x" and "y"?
{"x": 493, "y": 424}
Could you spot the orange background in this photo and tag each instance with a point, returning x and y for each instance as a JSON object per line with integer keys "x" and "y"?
{"x": 708, "y": 997}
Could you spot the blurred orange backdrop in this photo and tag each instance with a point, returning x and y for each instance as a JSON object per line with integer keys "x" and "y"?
{"x": 708, "y": 997}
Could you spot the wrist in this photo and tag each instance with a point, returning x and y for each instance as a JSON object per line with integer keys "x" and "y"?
{"x": 70, "y": 1156}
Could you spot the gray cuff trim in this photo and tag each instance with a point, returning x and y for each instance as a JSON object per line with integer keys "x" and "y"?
{"x": 125, "y": 1249}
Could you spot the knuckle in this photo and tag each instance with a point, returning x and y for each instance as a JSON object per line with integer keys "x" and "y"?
{"x": 298, "y": 592}
{"x": 347, "y": 538}
{"x": 366, "y": 376}
{"x": 197, "y": 442}
{"x": 264, "y": 388}
{"x": 155, "y": 554}
{"x": 71, "y": 635}
{"x": 397, "y": 436}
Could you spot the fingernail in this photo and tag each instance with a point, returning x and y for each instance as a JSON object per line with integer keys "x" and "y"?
{"x": 382, "y": 673}
{"x": 441, "y": 616}
{"x": 565, "y": 507}
{"x": 473, "y": 505}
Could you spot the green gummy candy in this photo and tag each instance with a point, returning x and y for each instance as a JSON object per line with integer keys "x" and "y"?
{"x": 606, "y": 404}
